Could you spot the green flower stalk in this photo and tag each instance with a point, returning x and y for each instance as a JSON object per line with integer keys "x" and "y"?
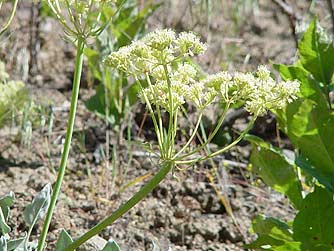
{"x": 81, "y": 20}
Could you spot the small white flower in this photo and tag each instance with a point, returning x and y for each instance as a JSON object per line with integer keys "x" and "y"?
{"x": 263, "y": 72}
{"x": 120, "y": 59}
{"x": 184, "y": 73}
{"x": 189, "y": 43}
{"x": 160, "y": 39}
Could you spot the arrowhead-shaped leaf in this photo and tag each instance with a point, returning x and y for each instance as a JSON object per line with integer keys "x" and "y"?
{"x": 111, "y": 246}
{"x": 14, "y": 244}
{"x": 63, "y": 241}
{"x": 3, "y": 243}
{"x": 6, "y": 202}
{"x": 38, "y": 207}
{"x": 4, "y": 228}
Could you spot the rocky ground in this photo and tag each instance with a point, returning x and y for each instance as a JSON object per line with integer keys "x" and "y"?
{"x": 185, "y": 212}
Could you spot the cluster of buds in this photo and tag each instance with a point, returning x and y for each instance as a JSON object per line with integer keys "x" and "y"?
{"x": 161, "y": 56}
{"x": 259, "y": 91}
{"x": 11, "y": 92}
{"x": 80, "y": 18}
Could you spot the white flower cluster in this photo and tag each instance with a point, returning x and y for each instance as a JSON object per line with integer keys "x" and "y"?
{"x": 79, "y": 18}
{"x": 160, "y": 55}
{"x": 260, "y": 92}
{"x": 3, "y": 74}
{"x": 158, "y": 48}
{"x": 9, "y": 90}
{"x": 184, "y": 86}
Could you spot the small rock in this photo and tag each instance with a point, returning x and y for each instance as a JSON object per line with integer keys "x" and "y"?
{"x": 96, "y": 243}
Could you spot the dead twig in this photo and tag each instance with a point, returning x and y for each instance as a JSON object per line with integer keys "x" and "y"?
{"x": 331, "y": 11}
{"x": 292, "y": 15}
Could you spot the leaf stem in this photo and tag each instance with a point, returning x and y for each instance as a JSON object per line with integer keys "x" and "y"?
{"x": 67, "y": 145}
{"x": 135, "y": 199}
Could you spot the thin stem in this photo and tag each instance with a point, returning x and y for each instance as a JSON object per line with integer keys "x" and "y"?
{"x": 211, "y": 136}
{"x": 135, "y": 199}
{"x": 158, "y": 113}
{"x": 226, "y": 148}
{"x": 10, "y": 19}
{"x": 156, "y": 127}
{"x": 170, "y": 134}
{"x": 67, "y": 145}
{"x": 191, "y": 137}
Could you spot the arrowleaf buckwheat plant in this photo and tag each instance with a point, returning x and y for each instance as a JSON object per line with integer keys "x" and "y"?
{"x": 169, "y": 84}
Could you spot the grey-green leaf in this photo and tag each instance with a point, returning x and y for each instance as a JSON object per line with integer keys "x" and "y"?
{"x": 13, "y": 244}
{"x": 111, "y": 246}
{"x": 4, "y": 228}
{"x": 3, "y": 243}
{"x": 5, "y": 203}
{"x": 38, "y": 207}
{"x": 63, "y": 241}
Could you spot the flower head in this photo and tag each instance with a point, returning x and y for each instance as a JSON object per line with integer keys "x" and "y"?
{"x": 189, "y": 43}
{"x": 158, "y": 48}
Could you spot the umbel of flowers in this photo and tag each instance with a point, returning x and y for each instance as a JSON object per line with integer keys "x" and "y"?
{"x": 162, "y": 58}
{"x": 162, "y": 55}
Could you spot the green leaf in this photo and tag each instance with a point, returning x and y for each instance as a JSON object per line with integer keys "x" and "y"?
{"x": 63, "y": 241}
{"x": 309, "y": 88}
{"x": 275, "y": 169}
{"x": 311, "y": 129}
{"x": 111, "y": 246}
{"x": 317, "y": 53}
{"x": 273, "y": 234}
{"x": 38, "y": 207}
{"x": 313, "y": 225}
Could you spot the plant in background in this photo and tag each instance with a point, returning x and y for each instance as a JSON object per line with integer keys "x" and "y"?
{"x": 17, "y": 108}
{"x": 13, "y": 95}
{"x": 309, "y": 124}
{"x": 32, "y": 213}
